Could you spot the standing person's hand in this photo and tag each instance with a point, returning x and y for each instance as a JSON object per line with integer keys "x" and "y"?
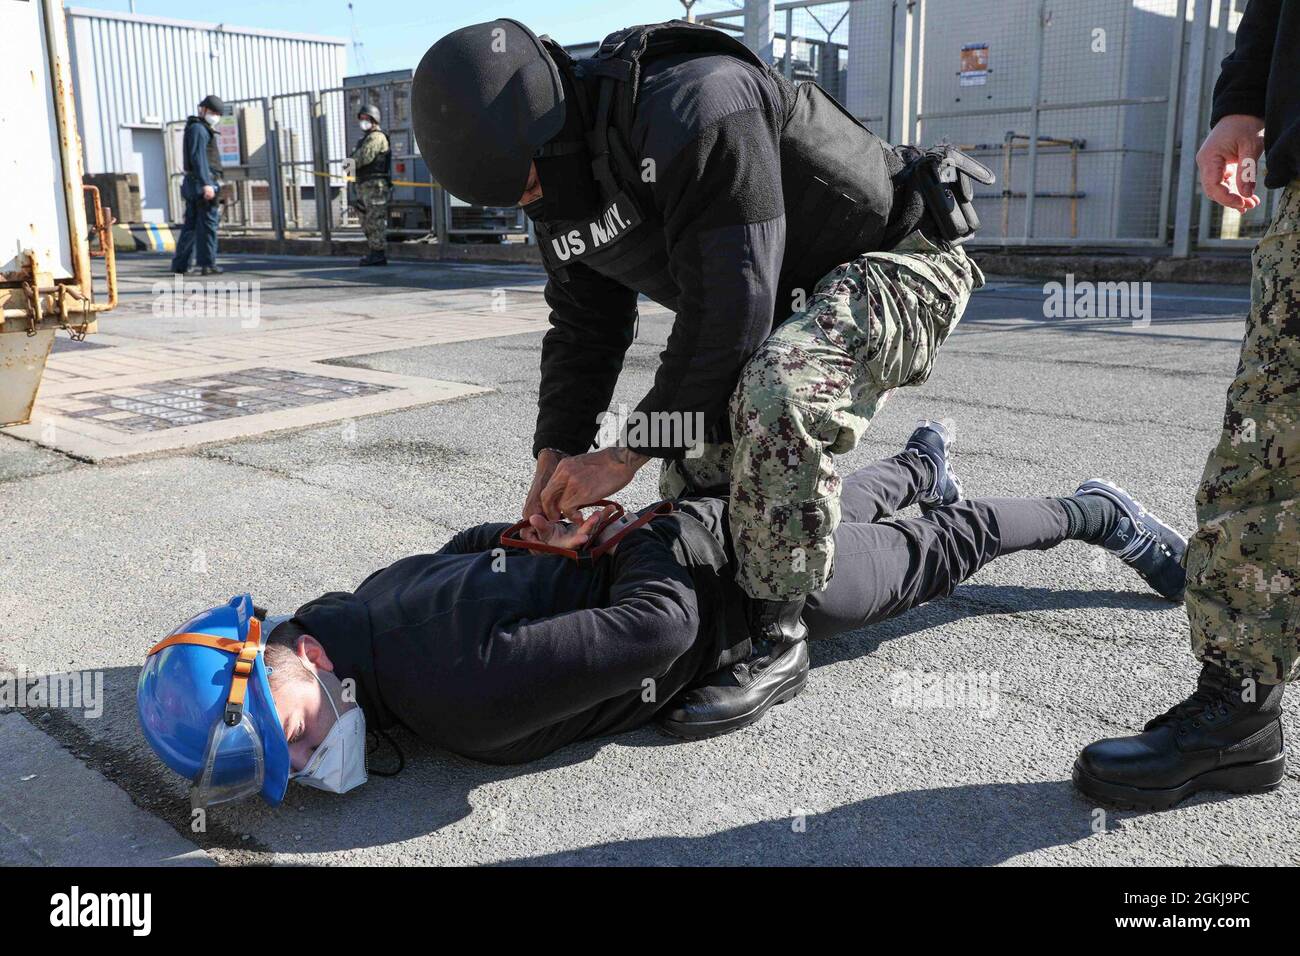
{"x": 583, "y": 479}
{"x": 209, "y": 193}
{"x": 1229, "y": 161}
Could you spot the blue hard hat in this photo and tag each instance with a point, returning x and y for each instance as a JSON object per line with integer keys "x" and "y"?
{"x": 192, "y": 722}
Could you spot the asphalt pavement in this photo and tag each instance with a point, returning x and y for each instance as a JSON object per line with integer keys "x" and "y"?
{"x": 99, "y": 561}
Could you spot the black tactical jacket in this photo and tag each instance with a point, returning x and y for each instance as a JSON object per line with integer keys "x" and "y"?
{"x": 201, "y": 157}
{"x": 758, "y": 188}
{"x": 502, "y": 655}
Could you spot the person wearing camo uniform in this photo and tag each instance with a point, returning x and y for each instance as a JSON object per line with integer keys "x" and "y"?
{"x": 808, "y": 394}
{"x": 1242, "y": 577}
{"x": 872, "y": 325}
{"x": 373, "y": 159}
{"x": 810, "y": 266}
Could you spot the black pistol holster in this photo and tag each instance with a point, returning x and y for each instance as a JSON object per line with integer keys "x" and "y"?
{"x": 945, "y": 178}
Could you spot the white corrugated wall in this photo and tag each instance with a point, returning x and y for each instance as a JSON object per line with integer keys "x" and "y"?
{"x": 133, "y": 70}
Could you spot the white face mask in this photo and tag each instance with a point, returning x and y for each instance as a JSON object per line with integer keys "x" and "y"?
{"x": 367, "y": 126}
{"x": 339, "y": 763}
{"x": 211, "y": 118}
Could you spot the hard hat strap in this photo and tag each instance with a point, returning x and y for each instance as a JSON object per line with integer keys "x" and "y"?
{"x": 245, "y": 652}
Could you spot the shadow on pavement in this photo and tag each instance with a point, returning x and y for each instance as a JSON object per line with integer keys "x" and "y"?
{"x": 973, "y": 825}
{"x": 975, "y": 600}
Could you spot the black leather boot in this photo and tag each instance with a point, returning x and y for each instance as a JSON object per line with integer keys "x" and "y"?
{"x": 1214, "y": 740}
{"x": 737, "y": 696}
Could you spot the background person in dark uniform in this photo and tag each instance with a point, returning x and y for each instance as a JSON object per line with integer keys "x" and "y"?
{"x": 201, "y": 159}
{"x": 676, "y": 164}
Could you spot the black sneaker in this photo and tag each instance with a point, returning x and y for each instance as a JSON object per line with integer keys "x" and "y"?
{"x": 935, "y": 442}
{"x": 1143, "y": 542}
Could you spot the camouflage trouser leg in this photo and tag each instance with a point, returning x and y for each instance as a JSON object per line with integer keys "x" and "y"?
{"x": 1243, "y": 564}
{"x": 374, "y": 220}
{"x": 872, "y": 325}
{"x": 707, "y": 473}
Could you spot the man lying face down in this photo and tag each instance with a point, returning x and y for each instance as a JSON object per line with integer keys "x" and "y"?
{"x": 504, "y": 655}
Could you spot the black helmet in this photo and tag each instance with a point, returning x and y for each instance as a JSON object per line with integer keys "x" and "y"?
{"x": 213, "y": 102}
{"x": 483, "y": 100}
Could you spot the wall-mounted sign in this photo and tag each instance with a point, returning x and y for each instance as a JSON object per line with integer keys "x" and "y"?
{"x": 974, "y": 64}
{"x": 228, "y": 140}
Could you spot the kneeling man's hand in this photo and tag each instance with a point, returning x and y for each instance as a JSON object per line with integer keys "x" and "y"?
{"x": 583, "y": 479}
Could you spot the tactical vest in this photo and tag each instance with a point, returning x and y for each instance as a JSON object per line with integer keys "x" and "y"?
{"x": 214, "y": 152}
{"x": 381, "y": 166}
{"x": 835, "y": 173}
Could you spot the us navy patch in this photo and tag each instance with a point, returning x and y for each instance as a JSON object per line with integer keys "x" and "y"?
{"x": 592, "y": 235}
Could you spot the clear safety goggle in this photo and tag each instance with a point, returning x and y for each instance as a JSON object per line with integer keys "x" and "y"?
{"x": 234, "y": 763}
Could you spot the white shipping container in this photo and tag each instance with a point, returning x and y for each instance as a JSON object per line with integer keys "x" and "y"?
{"x": 33, "y": 198}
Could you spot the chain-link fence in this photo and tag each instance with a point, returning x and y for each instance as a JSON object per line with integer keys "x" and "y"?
{"x": 1068, "y": 102}
{"x": 1089, "y": 113}
{"x": 285, "y": 160}
{"x": 811, "y": 42}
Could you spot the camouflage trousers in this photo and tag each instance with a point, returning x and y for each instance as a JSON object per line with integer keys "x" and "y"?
{"x": 1243, "y": 564}
{"x": 808, "y": 394}
{"x": 373, "y": 193}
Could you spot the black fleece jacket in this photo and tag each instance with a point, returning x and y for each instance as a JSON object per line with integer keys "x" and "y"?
{"x": 503, "y": 655}
{"x": 1261, "y": 77}
{"x": 712, "y": 128}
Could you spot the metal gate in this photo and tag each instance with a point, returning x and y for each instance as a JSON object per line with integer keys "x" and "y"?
{"x": 294, "y": 117}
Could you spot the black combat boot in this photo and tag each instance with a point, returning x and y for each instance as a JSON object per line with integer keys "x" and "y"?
{"x": 1214, "y": 740}
{"x": 374, "y": 259}
{"x": 736, "y": 696}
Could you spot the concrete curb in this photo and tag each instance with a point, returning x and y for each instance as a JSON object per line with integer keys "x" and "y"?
{"x": 1219, "y": 269}
{"x": 512, "y": 252}
{"x": 1096, "y": 266}
{"x": 56, "y": 811}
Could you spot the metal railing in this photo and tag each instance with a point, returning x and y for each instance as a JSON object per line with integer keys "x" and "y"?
{"x": 293, "y": 180}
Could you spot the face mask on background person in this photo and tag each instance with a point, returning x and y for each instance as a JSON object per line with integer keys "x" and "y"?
{"x": 367, "y": 126}
{"x": 211, "y": 118}
{"x": 339, "y": 763}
